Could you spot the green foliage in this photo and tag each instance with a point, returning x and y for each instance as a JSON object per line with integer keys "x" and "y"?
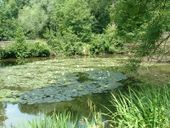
{"x": 145, "y": 108}
{"x": 141, "y": 22}
{"x": 113, "y": 42}
{"x": 38, "y": 49}
{"x": 20, "y": 37}
{"x": 97, "y": 44}
{"x": 7, "y": 52}
{"x": 151, "y": 37}
{"x": 8, "y": 14}
{"x": 25, "y": 50}
{"x": 61, "y": 120}
{"x": 72, "y": 16}
{"x": 102, "y": 25}
{"x": 106, "y": 42}
{"x": 69, "y": 44}
{"x": 14, "y": 50}
{"x": 100, "y": 9}
{"x": 32, "y": 19}
{"x": 70, "y": 28}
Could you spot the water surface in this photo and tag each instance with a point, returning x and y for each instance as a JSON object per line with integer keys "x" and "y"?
{"x": 19, "y": 77}
{"x": 18, "y": 114}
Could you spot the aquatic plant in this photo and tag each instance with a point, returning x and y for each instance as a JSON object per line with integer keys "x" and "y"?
{"x": 65, "y": 120}
{"x": 147, "y": 107}
{"x": 61, "y": 120}
{"x": 40, "y": 74}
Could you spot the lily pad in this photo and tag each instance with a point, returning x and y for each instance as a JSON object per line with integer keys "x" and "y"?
{"x": 74, "y": 85}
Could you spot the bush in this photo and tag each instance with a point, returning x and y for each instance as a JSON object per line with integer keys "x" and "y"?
{"x": 106, "y": 42}
{"x": 67, "y": 44}
{"x": 38, "y": 49}
{"x": 11, "y": 51}
{"x": 25, "y": 50}
{"x": 97, "y": 44}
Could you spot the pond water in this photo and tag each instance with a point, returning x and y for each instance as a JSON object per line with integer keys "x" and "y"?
{"x": 18, "y": 114}
{"x": 16, "y": 78}
{"x": 12, "y": 116}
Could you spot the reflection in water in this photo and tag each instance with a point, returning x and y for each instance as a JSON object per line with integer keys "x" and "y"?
{"x": 79, "y": 105}
{"x": 18, "y": 114}
{"x": 41, "y": 73}
{"x": 13, "y": 62}
{"x": 2, "y": 113}
{"x": 15, "y": 117}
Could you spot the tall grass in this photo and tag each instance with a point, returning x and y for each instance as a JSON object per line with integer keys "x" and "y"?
{"x": 145, "y": 108}
{"x": 61, "y": 120}
{"x": 65, "y": 120}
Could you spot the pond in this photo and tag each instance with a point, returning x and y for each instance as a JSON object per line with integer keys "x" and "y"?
{"x": 19, "y": 78}
{"x": 24, "y": 86}
{"x": 19, "y": 114}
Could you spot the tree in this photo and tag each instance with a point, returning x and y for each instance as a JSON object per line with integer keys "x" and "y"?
{"x": 142, "y": 22}
{"x": 72, "y": 16}
{"x": 100, "y": 9}
{"x": 8, "y": 13}
{"x": 32, "y": 19}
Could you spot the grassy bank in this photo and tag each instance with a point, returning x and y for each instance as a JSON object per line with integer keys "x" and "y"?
{"x": 147, "y": 107}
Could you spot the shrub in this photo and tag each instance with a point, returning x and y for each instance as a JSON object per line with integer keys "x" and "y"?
{"x": 67, "y": 44}
{"x": 106, "y": 42}
{"x": 97, "y": 44}
{"x": 13, "y": 50}
{"x": 10, "y": 51}
{"x": 25, "y": 50}
{"x": 38, "y": 49}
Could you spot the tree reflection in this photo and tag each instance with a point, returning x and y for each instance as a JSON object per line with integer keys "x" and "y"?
{"x": 2, "y": 113}
{"x": 78, "y": 107}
